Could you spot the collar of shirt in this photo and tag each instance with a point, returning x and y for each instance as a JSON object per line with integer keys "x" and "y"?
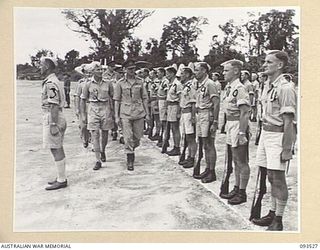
{"x": 279, "y": 81}
{"x": 203, "y": 82}
{"x": 51, "y": 77}
{"x": 235, "y": 83}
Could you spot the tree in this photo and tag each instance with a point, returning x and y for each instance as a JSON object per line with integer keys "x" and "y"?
{"x": 134, "y": 48}
{"x": 40, "y": 53}
{"x": 71, "y": 59}
{"x": 108, "y": 29}
{"x": 274, "y": 30}
{"x": 180, "y": 34}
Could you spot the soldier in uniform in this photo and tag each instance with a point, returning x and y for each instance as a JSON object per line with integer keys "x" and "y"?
{"x": 173, "y": 109}
{"x": 274, "y": 150}
{"x": 131, "y": 106}
{"x": 154, "y": 102}
{"x": 237, "y": 108}
{"x": 208, "y": 106}
{"x": 67, "y": 86}
{"x": 215, "y": 79}
{"x": 162, "y": 101}
{"x": 84, "y": 132}
{"x": 255, "y": 85}
{"x": 54, "y": 122}
{"x": 188, "y": 115}
{"x": 98, "y": 92}
{"x": 110, "y": 75}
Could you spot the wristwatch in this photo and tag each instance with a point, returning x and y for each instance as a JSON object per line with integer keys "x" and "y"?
{"x": 241, "y": 133}
{"x": 53, "y": 124}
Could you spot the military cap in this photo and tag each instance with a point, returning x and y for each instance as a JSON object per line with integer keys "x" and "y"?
{"x": 129, "y": 64}
{"x": 53, "y": 60}
{"x": 181, "y": 67}
{"x": 233, "y": 62}
{"x": 79, "y": 69}
{"x": 190, "y": 67}
{"x": 173, "y": 66}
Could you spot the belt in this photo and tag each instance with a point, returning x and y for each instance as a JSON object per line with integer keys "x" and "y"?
{"x": 233, "y": 118}
{"x": 198, "y": 110}
{"x": 48, "y": 109}
{"x": 162, "y": 98}
{"x": 186, "y": 110}
{"x": 172, "y": 103}
{"x": 272, "y": 128}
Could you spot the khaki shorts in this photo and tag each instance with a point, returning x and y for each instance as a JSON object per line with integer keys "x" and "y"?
{"x": 49, "y": 140}
{"x": 100, "y": 116}
{"x": 203, "y": 124}
{"x": 186, "y": 126}
{"x": 269, "y": 151}
{"x": 154, "y": 107}
{"x": 163, "y": 107}
{"x": 172, "y": 113}
{"x": 232, "y": 130}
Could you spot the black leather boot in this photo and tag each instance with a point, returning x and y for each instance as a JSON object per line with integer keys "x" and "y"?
{"x": 239, "y": 198}
{"x": 203, "y": 174}
{"x": 130, "y": 161}
{"x": 265, "y": 220}
{"x": 211, "y": 177}
{"x": 276, "y": 224}
{"x": 174, "y": 152}
{"x": 231, "y": 194}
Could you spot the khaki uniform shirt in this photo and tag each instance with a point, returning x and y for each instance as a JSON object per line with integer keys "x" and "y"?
{"x": 237, "y": 96}
{"x": 80, "y": 86}
{"x": 279, "y": 98}
{"x": 131, "y": 97}
{"x": 205, "y": 92}
{"x": 154, "y": 88}
{"x": 52, "y": 92}
{"x": 188, "y": 95}
{"x": 174, "y": 91}
{"x": 218, "y": 84}
{"x": 163, "y": 88}
{"x": 249, "y": 87}
{"x": 97, "y": 91}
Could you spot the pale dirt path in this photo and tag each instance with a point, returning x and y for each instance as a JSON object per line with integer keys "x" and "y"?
{"x": 158, "y": 195}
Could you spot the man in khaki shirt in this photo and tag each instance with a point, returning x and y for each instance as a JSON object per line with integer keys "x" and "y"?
{"x": 131, "y": 106}
{"x": 98, "y": 92}
{"x": 274, "y": 149}
{"x": 54, "y": 122}
{"x": 237, "y": 109}
{"x": 162, "y": 101}
{"x": 208, "y": 106}
{"x": 173, "y": 110}
{"x": 154, "y": 102}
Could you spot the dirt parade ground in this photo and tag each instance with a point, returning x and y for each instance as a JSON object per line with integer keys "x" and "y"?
{"x": 158, "y": 195}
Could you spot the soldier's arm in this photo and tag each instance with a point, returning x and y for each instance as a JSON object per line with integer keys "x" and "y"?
{"x": 117, "y": 99}
{"x": 215, "y": 99}
{"x": 145, "y": 101}
{"x": 244, "y": 106}
{"x": 83, "y": 97}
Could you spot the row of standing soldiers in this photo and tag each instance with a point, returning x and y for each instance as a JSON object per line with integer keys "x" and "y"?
{"x": 188, "y": 105}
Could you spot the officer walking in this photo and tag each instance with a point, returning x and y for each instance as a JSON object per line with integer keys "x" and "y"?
{"x": 98, "y": 92}
{"x": 54, "y": 122}
{"x": 237, "y": 109}
{"x": 131, "y": 106}
{"x": 274, "y": 150}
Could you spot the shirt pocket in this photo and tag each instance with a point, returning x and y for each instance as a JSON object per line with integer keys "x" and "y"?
{"x": 126, "y": 92}
{"x": 104, "y": 93}
{"x": 136, "y": 92}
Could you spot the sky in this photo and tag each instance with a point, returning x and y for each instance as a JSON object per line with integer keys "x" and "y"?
{"x": 45, "y": 28}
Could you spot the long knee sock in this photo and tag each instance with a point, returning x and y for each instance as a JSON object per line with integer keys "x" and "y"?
{"x": 281, "y": 204}
{"x": 273, "y": 204}
{"x": 61, "y": 168}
